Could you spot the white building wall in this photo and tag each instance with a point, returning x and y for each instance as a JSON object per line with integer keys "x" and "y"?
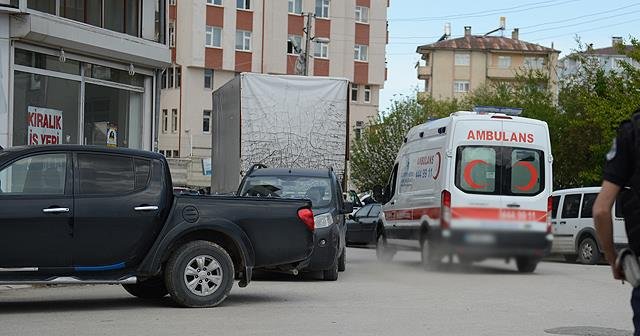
{"x": 5, "y": 74}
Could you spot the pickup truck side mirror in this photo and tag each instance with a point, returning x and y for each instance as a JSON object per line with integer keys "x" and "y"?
{"x": 348, "y": 208}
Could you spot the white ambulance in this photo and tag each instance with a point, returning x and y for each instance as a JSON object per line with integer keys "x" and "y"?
{"x": 473, "y": 185}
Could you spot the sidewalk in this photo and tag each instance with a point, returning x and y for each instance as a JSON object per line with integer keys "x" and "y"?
{"x": 8, "y": 287}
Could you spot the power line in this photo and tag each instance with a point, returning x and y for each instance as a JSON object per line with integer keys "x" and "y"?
{"x": 580, "y": 17}
{"x": 515, "y": 9}
{"x": 586, "y": 30}
{"x": 581, "y": 23}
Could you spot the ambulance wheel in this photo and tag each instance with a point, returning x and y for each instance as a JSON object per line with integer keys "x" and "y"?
{"x": 383, "y": 252}
{"x": 431, "y": 256}
{"x": 526, "y": 264}
{"x": 588, "y": 252}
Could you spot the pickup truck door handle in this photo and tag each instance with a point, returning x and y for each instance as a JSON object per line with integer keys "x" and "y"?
{"x": 146, "y": 208}
{"x": 55, "y": 210}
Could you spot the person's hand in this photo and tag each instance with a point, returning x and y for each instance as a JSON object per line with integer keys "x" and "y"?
{"x": 617, "y": 271}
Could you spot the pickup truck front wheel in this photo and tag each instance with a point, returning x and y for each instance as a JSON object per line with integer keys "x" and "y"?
{"x": 152, "y": 288}
{"x": 199, "y": 274}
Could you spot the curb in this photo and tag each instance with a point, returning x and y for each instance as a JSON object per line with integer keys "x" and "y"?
{"x": 9, "y": 287}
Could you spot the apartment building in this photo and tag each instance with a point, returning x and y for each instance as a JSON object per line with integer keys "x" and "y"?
{"x": 81, "y": 72}
{"x": 608, "y": 58}
{"x": 214, "y": 40}
{"x": 453, "y": 67}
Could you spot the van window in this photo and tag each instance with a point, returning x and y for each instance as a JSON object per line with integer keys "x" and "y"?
{"x": 480, "y": 170}
{"x": 587, "y": 205}
{"x": 618, "y": 209}
{"x": 571, "y": 206}
{"x": 392, "y": 181}
{"x": 525, "y": 171}
{"x": 554, "y": 209}
{"x": 476, "y": 171}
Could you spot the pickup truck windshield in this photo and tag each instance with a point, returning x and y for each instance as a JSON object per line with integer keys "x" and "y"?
{"x": 317, "y": 189}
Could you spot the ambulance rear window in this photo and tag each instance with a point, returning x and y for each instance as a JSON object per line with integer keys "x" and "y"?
{"x": 499, "y": 170}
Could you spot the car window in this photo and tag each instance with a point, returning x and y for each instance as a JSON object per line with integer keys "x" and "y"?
{"x": 35, "y": 175}
{"x": 105, "y": 174}
{"x": 375, "y": 211}
{"x": 525, "y": 171}
{"x": 143, "y": 171}
{"x": 554, "y": 209}
{"x": 364, "y": 211}
{"x": 476, "y": 169}
{"x": 587, "y": 205}
{"x": 571, "y": 206}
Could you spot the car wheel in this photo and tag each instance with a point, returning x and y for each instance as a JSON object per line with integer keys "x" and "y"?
{"x": 430, "y": 255}
{"x": 570, "y": 258}
{"x": 526, "y": 264}
{"x": 199, "y": 274}
{"x": 331, "y": 274}
{"x": 342, "y": 261}
{"x": 383, "y": 252}
{"x": 588, "y": 252}
{"x": 152, "y": 288}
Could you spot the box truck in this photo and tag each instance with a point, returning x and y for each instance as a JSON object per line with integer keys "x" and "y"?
{"x": 279, "y": 121}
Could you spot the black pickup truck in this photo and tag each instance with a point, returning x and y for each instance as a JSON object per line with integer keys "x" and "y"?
{"x": 91, "y": 215}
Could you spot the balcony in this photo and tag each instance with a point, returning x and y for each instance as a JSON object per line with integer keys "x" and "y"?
{"x": 424, "y": 72}
{"x": 495, "y": 72}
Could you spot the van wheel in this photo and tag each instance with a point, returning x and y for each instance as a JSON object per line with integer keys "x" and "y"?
{"x": 199, "y": 274}
{"x": 383, "y": 252}
{"x": 526, "y": 264}
{"x": 152, "y": 288}
{"x": 342, "y": 261}
{"x": 588, "y": 252}
{"x": 430, "y": 255}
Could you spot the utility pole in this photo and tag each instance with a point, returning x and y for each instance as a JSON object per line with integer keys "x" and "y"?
{"x": 307, "y": 43}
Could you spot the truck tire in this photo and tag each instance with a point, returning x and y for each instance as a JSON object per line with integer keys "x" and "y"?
{"x": 383, "y": 252}
{"x": 331, "y": 274}
{"x": 152, "y": 288}
{"x": 342, "y": 261}
{"x": 588, "y": 252}
{"x": 199, "y": 274}
{"x": 526, "y": 264}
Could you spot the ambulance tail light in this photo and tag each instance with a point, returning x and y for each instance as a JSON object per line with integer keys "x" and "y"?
{"x": 549, "y": 212}
{"x": 445, "y": 213}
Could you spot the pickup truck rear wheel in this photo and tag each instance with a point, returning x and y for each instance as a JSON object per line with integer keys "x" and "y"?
{"x": 526, "y": 264}
{"x": 152, "y": 288}
{"x": 199, "y": 274}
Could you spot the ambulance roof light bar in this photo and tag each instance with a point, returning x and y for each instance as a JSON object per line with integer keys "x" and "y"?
{"x": 511, "y": 111}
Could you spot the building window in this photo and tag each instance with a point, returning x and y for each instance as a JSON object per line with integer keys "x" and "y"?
{"x": 172, "y": 34}
{"x": 163, "y": 80}
{"x": 173, "y": 2}
{"x": 178, "y": 77}
{"x": 354, "y": 92}
{"x": 208, "y": 78}
{"x": 165, "y": 120}
{"x": 243, "y": 4}
{"x": 295, "y": 45}
{"x": 367, "y": 93}
{"x": 206, "y": 121}
{"x": 322, "y": 8}
{"x": 170, "y": 77}
{"x": 533, "y": 62}
{"x": 463, "y": 59}
{"x": 295, "y": 6}
{"x": 174, "y": 120}
{"x": 616, "y": 63}
{"x": 176, "y": 154}
{"x": 461, "y": 86}
{"x": 214, "y": 2}
{"x": 504, "y": 62}
{"x": 243, "y": 40}
{"x": 358, "y": 133}
{"x": 213, "y": 37}
{"x": 167, "y": 153}
{"x": 321, "y": 50}
{"x": 362, "y": 14}
{"x": 361, "y": 52}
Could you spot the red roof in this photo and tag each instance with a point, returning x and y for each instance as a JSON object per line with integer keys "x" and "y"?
{"x": 474, "y": 42}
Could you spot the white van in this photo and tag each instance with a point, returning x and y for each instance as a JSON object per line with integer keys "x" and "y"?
{"x": 574, "y": 235}
{"x": 475, "y": 185}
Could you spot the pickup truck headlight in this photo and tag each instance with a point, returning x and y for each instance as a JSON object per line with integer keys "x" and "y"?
{"x": 324, "y": 220}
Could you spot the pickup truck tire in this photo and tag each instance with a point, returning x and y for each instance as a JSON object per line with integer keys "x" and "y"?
{"x": 152, "y": 288}
{"x": 526, "y": 264}
{"x": 188, "y": 280}
{"x": 342, "y": 261}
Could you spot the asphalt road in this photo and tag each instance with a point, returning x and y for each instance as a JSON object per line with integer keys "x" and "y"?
{"x": 370, "y": 298}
